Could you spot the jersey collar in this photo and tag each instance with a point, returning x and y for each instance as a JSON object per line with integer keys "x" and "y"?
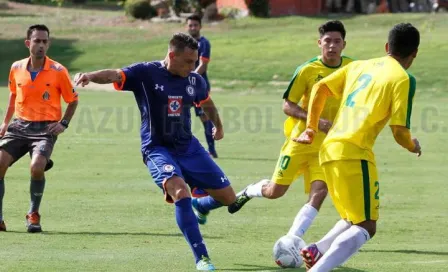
{"x": 328, "y": 66}
{"x": 46, "y": 63}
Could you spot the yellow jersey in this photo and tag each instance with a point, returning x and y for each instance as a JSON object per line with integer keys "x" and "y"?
{"x": 299, "y": 90}
{"x": 373, "y": 92}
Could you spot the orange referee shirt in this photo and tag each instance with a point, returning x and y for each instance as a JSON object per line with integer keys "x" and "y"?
{"x": 40, "y": 100}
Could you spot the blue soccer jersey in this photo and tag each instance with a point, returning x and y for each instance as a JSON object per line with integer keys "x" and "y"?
{"x": 164, "y": 101}
{"x": 167, "y": 143}
{"x": 204, "y": 54}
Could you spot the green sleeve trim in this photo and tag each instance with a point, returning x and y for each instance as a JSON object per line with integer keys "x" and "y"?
{"x": 412, "y": 87}
{"x": 291, "y": 83}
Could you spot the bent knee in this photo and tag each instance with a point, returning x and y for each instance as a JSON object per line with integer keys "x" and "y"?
{"x": 369, "y": 226}
{"x": 177, "y": 188}
{"x": 37, "y": 171}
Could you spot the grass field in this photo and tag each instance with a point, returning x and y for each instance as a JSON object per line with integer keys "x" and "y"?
{"x": 102, "y": 212}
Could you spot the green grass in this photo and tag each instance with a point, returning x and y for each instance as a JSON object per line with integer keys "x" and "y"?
{"x": 255, "y": 50}
{"x": 101, "y": 210}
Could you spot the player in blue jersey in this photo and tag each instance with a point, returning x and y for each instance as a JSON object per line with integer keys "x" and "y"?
{"x": 194, "y": 26}
{"x": 165, "y": 91}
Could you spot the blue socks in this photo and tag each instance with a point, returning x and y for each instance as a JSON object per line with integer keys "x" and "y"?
{"x": 188, "y": 224}
{"x": 206, "y": 204}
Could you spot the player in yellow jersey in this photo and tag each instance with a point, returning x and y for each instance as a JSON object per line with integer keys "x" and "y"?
{"x": 297, "y": 159}
{"x": 373, "y": 92}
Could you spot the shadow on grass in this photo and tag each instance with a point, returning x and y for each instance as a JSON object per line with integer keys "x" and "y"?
{"x": 406, "y": 251}
{"x": 251, "y": 267}
{"x": 100, "y": 233}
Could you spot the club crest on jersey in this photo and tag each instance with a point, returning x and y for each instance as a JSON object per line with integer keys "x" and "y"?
{"x": 46, "y": 96}
{"x": 190, "y": 90}
{"x": 174, "y": 105}
{"x": 168, "y": 168}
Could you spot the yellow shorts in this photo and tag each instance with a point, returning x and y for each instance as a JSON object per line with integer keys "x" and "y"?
{"x": 296, "y": 159}
{"x": 354, "y": 188}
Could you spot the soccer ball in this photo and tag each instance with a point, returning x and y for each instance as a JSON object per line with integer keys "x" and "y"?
{"x": 287, "y": 251}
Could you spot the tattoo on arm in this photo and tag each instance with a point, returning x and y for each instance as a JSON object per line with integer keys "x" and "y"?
{"x": 106, "y": 76}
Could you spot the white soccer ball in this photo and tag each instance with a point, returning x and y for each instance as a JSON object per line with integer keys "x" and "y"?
{"x": 287, "y": 251}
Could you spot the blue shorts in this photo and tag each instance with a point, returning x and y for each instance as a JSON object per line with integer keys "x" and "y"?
{"x": 195, "y": 166}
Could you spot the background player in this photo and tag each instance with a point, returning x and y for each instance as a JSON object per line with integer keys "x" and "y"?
{"x": 36, "y": 85}
{"x": 373, "y": 92}
{"x": 296, "y": 159}
{"x": 194, "y": 26}
{"x": 165, "y": 91}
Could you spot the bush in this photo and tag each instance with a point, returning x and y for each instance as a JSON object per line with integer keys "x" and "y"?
{"x": 258, "y": 8}
{"x": 139, "y": 9}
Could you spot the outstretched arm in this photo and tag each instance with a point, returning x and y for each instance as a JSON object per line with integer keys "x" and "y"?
{"x": 101, "y": 77}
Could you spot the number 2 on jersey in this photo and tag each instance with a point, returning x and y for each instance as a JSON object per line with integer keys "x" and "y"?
{"x": 365, "y": 80}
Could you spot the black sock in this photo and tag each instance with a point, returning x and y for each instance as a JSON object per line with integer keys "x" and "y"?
{"x": 36, "y": 192}
{"x": 2, "y": 193}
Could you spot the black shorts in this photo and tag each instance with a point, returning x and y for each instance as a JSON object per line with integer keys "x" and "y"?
{"x": 28, "y": 137}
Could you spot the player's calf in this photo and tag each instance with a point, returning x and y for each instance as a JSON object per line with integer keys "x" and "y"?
{"x": 185, "y": 217}
{"x": 369, "y": 226}
{"x": 5, "y": 160}
{"x": 2, "y": 225}
{"x": 37, "y": 186}
{"x": 318, "y": 193}
{"x": 2, "y": 194}
{"x": 216, "y": 199}
{"x": 225, "y": 196}
{"x": 273, "y": 190}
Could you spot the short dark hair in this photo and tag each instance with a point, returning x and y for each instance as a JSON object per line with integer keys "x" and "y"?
{"x": 36, "y": 27}
{"x": 403, "y": 40}
{"x": 180, "y": 41}
{"x": 194, "y": 17}
{"x": 332, "y": 26}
